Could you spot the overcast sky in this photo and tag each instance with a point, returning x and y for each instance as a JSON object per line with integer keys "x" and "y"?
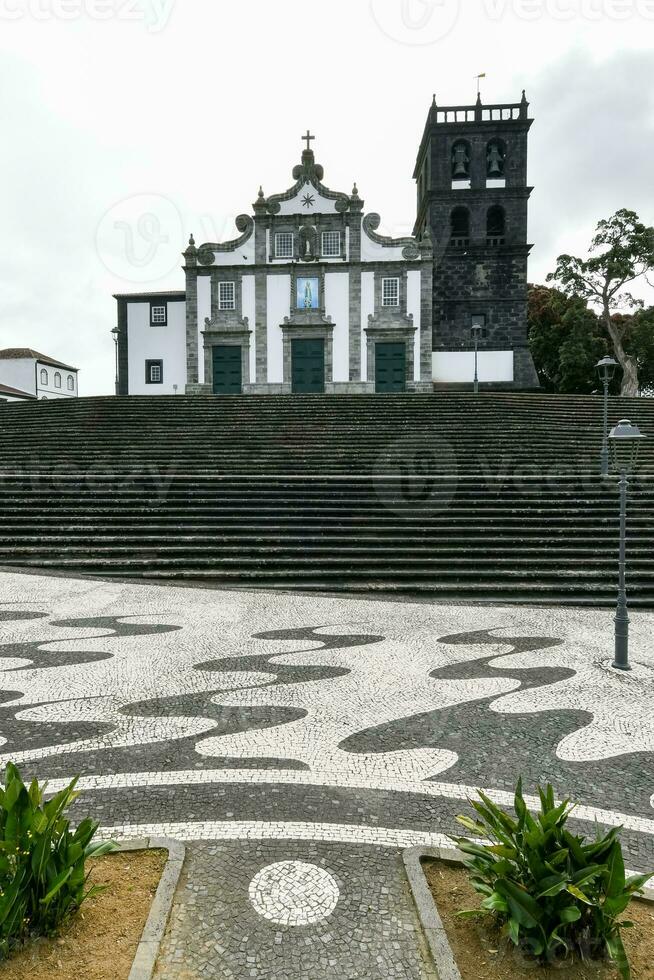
{"x": 127, "y": 124}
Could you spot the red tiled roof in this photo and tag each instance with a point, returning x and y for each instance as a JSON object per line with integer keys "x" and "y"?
{"x": 15, "y": 353}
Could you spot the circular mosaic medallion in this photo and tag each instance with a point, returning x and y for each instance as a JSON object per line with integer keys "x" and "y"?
{"x": 293, "y": 893}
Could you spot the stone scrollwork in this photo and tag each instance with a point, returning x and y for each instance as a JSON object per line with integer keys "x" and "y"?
{"x": 411, "y": 249}
{"x": 244, "y": 224}
{"x": 206, "y": 255}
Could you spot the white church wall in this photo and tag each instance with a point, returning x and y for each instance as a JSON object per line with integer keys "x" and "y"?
{"x": 250, "y": 311}
{"x": 459, "y": 366}
{"x": 321, "y": 205}
{"x": 413, "y": 306}
{"x": 373, "y": 252}
{"x": 156, "y": 343}
{"x": 279, "y": 306}
{"x": 367, "y": 308}
{"x": 204, "y": 310}
{"x": 337, "y": 306}
{"x": 243, "y": 255}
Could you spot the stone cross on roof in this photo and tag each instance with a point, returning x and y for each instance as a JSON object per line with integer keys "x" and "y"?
{"x": 308, "y": 138}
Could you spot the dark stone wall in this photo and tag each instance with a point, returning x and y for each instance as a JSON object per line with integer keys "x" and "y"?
{"x": 478, "y": 276}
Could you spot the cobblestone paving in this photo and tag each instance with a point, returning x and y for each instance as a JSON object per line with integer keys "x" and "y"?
{"x": 371, "y": 934}
{"x": 299, "y": 742}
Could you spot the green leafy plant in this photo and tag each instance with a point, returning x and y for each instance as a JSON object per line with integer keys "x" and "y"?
{"x": 42, "y": 863}
{"x": 554, "y": 894}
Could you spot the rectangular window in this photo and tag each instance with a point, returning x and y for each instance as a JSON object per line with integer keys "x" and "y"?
{"x": 331, "y": 244}
{"x": 226, "y": 296}
{"x": 284, "y": 245}
{"x": 154, "y": 372}
{"x": 158, "y": 314}
{"x": 390, "y": 292}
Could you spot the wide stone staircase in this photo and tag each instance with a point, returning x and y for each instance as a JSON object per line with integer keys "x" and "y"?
{"x": 450, "y": 495}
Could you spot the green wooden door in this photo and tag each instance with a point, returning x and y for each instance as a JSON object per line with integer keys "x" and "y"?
{"x": 390, "y": 367}
{"x": 308, "y": 365}
{"x": 227, "y": 372}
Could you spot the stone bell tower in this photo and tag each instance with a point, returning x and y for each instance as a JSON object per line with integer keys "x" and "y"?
{"x": 471, "y": 176}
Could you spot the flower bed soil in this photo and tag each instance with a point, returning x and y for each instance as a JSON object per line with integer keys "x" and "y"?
{"x": 99, "y": 943}
{"x": 480, "y": 952}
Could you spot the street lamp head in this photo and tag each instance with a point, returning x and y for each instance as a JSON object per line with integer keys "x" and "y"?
{"x": 115, "y": 333}
{"x": 625, "y": 440}
{"x": 606, "y": 369}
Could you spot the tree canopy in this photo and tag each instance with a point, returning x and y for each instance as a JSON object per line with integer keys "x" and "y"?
{"x": 621, "y": 251}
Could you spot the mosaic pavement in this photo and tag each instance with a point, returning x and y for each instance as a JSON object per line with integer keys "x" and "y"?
{"x": 302, "y": 741}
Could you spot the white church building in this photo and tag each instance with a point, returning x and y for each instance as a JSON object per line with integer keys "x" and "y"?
{"x": 309, "y": 298}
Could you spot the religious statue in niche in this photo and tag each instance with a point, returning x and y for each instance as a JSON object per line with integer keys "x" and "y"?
{"x": 308, "y": 293}
{"x": 308, "y": 241}
{"x": 460, "y": 161}
{"x": 495, "y": 159}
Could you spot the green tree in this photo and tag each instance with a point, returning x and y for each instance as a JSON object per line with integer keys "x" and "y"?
{"x": 566, "y": 340}
{"x": 621, "y": 252}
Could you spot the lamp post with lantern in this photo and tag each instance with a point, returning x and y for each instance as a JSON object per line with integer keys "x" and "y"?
{"x": 476, "y": 331}
{"x": 606, "y": 371}
{"x": 114, "y": 333}
{"x": 625, "y": 440}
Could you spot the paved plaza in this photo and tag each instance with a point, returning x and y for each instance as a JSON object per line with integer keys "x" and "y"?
{"x": 300, "y": 742}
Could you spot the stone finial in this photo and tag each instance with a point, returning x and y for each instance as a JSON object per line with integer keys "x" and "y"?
{"x": 261, "y": 193}
{"x": 433, "y": 101}
{"x": 524, "y": 96}
{"x": 191, "y": 240}
{"x": 355, "y": 191}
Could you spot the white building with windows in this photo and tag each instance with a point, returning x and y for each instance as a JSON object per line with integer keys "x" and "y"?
{"x": 33, "y": 375}
{"x": 308, "y": 298}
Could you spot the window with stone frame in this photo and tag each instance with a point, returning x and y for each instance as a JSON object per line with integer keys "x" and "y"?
{"x": 44, "y": 376}
{"x": 495, "y": 225}
{"x": 226, "y": 295}
{"x": 284, "y": 245}
{"x": 70, "y": 382}
{"x": 460, "y": 227}
{"x": 57, "y": 379}
{"x": 391, "y": 291}
{"x": 331, "y": 244}
{"x": 154, "y": 372}
{"x": 158, "y": 314}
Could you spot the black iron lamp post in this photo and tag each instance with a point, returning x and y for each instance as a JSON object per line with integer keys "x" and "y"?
{"x": 114, "y": 334}
{"x": 606, "y": 371}
{"x": 625, "y": 441}
{"x": 476, "y": 330}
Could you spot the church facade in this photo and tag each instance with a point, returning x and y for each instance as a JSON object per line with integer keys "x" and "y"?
{"x": 311, "y": 298}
